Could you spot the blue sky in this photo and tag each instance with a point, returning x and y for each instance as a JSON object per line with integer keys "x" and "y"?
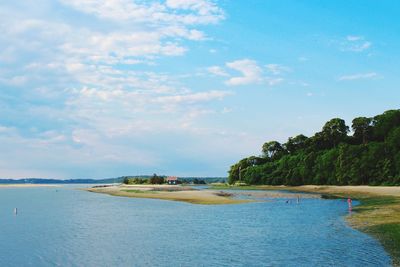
{"x": 103, "y": 88}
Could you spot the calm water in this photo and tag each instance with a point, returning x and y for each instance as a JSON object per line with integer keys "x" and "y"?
{"x": 65, "y": 227}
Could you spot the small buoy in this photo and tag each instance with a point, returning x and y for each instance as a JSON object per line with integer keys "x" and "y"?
{"x": 15, "y": 211}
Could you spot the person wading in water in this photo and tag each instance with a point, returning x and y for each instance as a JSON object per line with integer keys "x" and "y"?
{"x": 349, "y": 202}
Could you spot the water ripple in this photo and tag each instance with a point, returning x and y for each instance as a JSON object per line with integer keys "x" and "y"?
{"x": 76, "y": 228}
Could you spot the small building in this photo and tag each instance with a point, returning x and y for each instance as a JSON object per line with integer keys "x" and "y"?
{"x": 172, "y": 180}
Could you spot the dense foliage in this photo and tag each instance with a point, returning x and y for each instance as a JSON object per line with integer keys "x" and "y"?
{"x": 155, "y": 179}
{"x": 371, "y": 155}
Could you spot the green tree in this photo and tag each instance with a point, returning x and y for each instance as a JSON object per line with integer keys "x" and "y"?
{"x": 156, "y": 179}
{"x": 384, "y": 123}
{"x": 272, "y": 150}
{"x": 296, "y": 143}
{"x": 335, "y": 131}
{"x": 362, "y": 128}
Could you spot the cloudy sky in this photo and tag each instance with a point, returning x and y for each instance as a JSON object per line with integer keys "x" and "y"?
{"x": 103, "y": 88}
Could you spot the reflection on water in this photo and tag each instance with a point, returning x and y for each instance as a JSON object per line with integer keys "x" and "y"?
{"x": 64, "y": 227}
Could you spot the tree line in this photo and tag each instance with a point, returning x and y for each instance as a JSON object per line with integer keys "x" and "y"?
{"x": 369, "y": 156}
{"x": 155, "y": 179}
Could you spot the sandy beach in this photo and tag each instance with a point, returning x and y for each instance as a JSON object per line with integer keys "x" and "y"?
{"x": 215, "y": 196}
{"x": 191, "y": 195}
{"x": 323, "y": 189}
{"x": 372, "y": 190}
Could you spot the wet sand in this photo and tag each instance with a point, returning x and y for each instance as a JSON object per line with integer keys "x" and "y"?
{"x": 169, "y": 192}
{"x": 371, "y": 190}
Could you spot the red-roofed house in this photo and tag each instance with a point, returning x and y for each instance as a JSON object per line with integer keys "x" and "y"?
{"x": 172, "y": 180}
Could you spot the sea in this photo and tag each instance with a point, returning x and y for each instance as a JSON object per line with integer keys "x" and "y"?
{"x": 66, "y": 226}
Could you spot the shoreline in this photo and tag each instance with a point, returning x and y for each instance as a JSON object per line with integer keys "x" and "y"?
{"x": 378, "y": 213}
{"x": 192, "y": 195}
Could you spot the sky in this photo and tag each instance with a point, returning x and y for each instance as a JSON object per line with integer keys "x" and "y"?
{"x": 105, "y": 88}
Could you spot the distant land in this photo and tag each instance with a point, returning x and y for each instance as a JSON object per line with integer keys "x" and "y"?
{"x": 101, "y": 181}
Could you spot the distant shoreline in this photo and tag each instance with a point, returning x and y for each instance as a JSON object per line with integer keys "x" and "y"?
{"x": 27, "y": 185}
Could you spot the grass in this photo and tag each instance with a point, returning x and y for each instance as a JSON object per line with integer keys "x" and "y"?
{"x": 389, "y": 235}
{"x": 373, "y": 202}
{"x": 380, "y": 217}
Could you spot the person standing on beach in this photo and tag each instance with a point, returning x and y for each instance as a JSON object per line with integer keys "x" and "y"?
{"x": 349, "y": 202}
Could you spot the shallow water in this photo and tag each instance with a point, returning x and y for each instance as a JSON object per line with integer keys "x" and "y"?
{"x": 65, "y": 227}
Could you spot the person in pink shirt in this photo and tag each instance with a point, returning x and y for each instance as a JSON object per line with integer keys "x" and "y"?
{"x": 349, "y": 202}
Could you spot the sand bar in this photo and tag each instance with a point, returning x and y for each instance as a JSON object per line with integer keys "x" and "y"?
{"x": 169, "y": 192}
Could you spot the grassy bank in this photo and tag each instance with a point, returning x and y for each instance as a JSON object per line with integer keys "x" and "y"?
{"x": 378, "y": 213}
{"x": 380, "y": 217}
{"x": 169, "y": 193}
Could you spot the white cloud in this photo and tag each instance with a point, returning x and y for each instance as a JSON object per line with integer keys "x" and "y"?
{"x": 299, "y": 83}
{"x": 193, "y": 98}
{"x": 226, "y": 110}
{"x": 251, "y": 72}
{"x": 4, "y": 130}
{"x": 204, "y": 8}
{"x": 202, "y": 11}
{"x": 85, "y": 104}
{"x": 143, "y": 31}
{"x": 273, "y": 81}
{"x": 359, "y": 76}
{"x": 360, "y": 47}
{"x": 354, "y": 43}
{"x": 218, "y": 71}
{"x": 302, "y": 59}
{"x": 119, "y": 46}
{"x": 105, "y": 95}
{"x": 14, "y": 81}
{"x": 353, "y": 38}
{"x": 277, "y": 69}
{"x": 184, "y": 32}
